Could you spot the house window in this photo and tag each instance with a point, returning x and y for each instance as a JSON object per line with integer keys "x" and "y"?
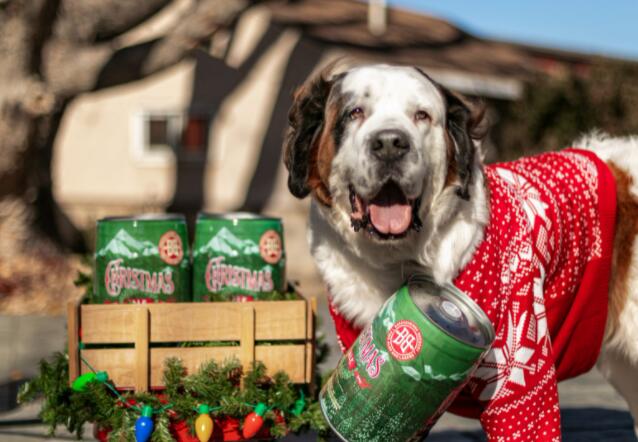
{"x": 156, "y": 136}
{"x": 159, "y": 136}
{"x": 195, "y": 135}
{"x": 162, "y": 132}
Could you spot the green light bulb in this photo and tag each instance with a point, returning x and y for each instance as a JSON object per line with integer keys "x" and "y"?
{"x": 80, "y": 383}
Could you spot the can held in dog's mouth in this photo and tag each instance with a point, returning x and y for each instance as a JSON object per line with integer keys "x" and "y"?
{"x": 408, "y": 365}
{"x": 238, "y": 257}
{"x": 142, "y": 259}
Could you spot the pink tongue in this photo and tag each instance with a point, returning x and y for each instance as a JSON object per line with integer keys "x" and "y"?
{"x": 391, "y": 219}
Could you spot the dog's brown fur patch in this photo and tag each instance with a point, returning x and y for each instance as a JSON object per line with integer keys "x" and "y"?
{"x": 476, "y": 129}
{"x": 626, "y": 231}
{"x": 306, "y": 122}
{"x": 323, "y": 153}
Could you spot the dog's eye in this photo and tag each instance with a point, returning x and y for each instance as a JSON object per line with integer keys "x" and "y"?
{"x": 421, "y": 115}
{"x": 356, "y": 113}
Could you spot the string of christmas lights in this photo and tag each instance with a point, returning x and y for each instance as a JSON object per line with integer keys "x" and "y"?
{"x": 204, "y": 424}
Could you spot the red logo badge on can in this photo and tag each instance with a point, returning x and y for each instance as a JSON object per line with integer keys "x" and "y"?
{"x": 404, "y": 340}
{"x": 170, "y": 248}
{"x": 270, "y": 246}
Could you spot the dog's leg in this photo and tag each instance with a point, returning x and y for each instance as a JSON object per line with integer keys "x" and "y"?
{"x": 623, "y": 375}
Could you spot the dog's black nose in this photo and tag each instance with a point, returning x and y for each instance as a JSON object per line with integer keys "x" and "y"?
{"x": 389, "y": 144}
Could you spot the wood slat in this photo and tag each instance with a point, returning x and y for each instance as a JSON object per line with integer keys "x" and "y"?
{"x": 176, "y": 322}
{"x": 220, "y": 321}
{"x": 118, "y": 363}
{"x": 288, "y": 358}
{"x": 73, "y": 327}
{"x": 280, "y": 320}
{"x": 247, "y": 338}
{"x": 310, "y": 338}
{"x": 195, "y": 322}
{"x": 141, "y": 349}
{"x": 108, "y": 324}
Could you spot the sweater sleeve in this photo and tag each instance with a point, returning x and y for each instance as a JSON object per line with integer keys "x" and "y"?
{"x": 346, "y": 332}
{"x": 532, "y": 415}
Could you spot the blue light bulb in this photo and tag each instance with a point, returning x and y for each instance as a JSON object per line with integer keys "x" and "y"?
{"x": 144, "y": 425}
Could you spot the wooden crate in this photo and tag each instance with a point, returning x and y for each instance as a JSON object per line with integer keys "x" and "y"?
{"x": 142, "y": 336}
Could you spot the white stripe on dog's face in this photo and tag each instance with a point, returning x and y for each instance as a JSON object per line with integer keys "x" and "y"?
{"x": 401, "y": 103}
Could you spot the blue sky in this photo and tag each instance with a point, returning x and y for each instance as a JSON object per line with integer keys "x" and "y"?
{"x": 609, "y": 28}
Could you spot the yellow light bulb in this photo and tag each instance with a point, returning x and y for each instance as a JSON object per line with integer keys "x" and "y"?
{"x": 203, "y": 425}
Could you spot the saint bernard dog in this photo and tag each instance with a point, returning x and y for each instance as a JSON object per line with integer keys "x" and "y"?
{"x": 392, "y": 161}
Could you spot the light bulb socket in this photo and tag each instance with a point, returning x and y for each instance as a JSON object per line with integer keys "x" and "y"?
{"x": 102, "y": 376}
{"x": 203, "y": 409}
{"x": 147, "y": 411}
{"x": 260, "y": 409}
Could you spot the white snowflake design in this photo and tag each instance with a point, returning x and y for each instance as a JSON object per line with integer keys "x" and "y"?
{"x": 527, "y": 194}
{"x": 506, "y": 363}
{"x": 539, "y": 306}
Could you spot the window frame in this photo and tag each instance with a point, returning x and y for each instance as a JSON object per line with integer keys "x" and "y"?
{"x": 140, "y": 137}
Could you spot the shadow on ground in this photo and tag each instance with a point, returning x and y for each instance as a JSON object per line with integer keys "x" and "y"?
{"x": 578, "y": 425}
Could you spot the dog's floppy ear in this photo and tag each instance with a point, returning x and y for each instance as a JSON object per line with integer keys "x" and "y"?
{"x": 306, "y": 122}
{"x": 465, "y": 124}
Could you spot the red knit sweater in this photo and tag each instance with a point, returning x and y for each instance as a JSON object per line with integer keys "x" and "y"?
{"x": 541, "y": 274}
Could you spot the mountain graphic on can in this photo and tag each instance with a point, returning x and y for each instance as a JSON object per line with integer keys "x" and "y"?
{"x": 408, "y": 365}
{"x": 238, "y": 257}
{"x": 142, "y": 259}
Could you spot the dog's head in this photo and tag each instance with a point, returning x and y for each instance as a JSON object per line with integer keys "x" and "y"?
{"x": 377, "y": 144}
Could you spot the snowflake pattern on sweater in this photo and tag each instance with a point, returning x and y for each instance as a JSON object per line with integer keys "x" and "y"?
{"x": 541, "y": 275}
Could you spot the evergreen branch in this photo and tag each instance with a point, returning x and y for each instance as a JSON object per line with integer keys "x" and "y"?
{"x": 214, "y": 384}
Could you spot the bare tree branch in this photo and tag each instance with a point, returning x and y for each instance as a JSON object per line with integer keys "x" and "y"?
{"x": 41, "y": 28}
{"x": 71, "y": 70}
{"x": 87, "y": 21}
{"x": 24, "y": 26}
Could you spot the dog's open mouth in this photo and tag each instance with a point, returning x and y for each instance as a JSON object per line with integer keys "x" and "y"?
{"x": 389, "y": 215}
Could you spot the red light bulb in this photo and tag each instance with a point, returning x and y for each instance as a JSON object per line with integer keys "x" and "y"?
{"x": 254, "y": 421}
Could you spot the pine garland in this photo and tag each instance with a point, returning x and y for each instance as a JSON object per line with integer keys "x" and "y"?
{"x": 214, "y": 384}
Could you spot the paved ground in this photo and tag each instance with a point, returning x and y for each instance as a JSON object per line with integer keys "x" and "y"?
{"x": 592, "y": 411}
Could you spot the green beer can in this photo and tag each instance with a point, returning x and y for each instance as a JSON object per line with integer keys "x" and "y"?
{"x": 408, "y": 365}
{"x": 238, "y": 257}
{"x": 142, "y": 259}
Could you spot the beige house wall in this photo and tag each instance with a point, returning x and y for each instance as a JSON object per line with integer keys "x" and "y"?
{"x": 96, "y": 166}
{"x": 99, "y": 166}
{"x": 238, "y": 131}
